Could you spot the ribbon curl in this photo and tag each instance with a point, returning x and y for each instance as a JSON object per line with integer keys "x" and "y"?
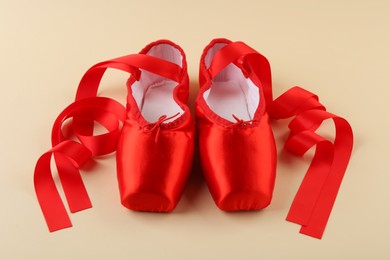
{"x": 70, "y": 156}
{"x": 315, "y": 198}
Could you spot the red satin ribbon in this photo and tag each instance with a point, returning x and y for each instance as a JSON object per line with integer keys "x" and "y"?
{"x": 249, "y": 60}
{"x": 314, "y": 200}
{"x": 71, "y": 155}
{"x": 238, "y": 158}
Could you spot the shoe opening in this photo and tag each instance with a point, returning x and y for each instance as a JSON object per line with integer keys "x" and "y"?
{"x": 231, "y": 93}
{"x": 154, "y": 94}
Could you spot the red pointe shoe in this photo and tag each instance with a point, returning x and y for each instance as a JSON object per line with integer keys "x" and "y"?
{"x": 155, "y": 147}
{"x": 236, "y": 144}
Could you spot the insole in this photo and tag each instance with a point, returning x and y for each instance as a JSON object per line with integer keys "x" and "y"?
{"x": 227, "y": 98}
{"x": 158, "y": 101}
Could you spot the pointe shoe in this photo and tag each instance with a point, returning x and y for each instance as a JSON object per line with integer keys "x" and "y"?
{"x": 236, "y": 143}
{"x": 155, "y": 151}
{"x": 155, "y": 147}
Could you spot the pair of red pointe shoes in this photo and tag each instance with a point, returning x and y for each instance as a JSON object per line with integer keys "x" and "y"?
{"x": 154, "y": 136}
{"x": 154, "y": 159}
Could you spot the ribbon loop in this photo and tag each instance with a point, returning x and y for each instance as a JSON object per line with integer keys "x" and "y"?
{"x": 78, "y": 154}
{"x": 89, "y": 83}
{"x": 314, "y": 200}
{"x": 231, "y": 53}
{"x": 300, "y": 143}
{"x": 293, "y": 102}
{"x": 252, "y": 64}
{"x": 70, "y": 155}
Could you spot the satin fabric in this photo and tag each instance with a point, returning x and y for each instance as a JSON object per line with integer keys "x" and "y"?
{"x": 152, "y": 173}
{"x": 154, "y": 158}
{"x": 238, "y": 163}
{"x": 317, "y": 193}
{"x": 238, "y": 158}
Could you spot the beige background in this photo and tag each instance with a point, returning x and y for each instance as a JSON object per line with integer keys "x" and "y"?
{"x": 337, "y": 49}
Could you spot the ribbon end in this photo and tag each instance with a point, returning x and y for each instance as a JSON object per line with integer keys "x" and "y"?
{"x": 312, "y": 232}
{"x": 57, "y": 222}
{"x": 59, "y": 227}
{"x": 295, "y": 220}
{"x": 80, "y": 207}
{"x": 298, "y": 217}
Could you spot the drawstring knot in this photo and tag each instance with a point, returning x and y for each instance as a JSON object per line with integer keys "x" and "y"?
{"x": 156, "y": 126}
{"x": 241, "y": 122}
